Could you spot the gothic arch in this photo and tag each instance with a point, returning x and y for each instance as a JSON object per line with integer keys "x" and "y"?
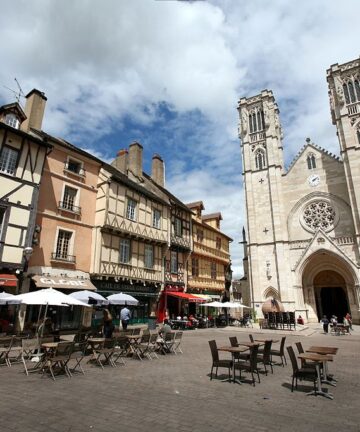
{"x": 271, "y": 292}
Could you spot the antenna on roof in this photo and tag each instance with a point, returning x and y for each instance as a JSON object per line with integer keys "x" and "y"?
{"x": 19, "y": 93}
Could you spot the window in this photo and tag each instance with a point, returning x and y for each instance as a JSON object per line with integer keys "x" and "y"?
{"x": 174, "y": 262}
{"x": 63, "y": 245}
{"x": 131, "y": 209}
{"x": 156, "y": 218}
{"x": 311, "y": 161}
{"x": 218, "y": 243}
{"x": 178, "y": 227}
{"x": 256, "y": 121}
{"x": 74, "y": 166}
{"x": 195, "y": 267}
{"x": 260, "y": 159}
{"x": 213, "y": 270}
{"x": 149, "y": 256}
{"x": 200, "y": 235}
{"x": 124, "y": 251}
{"x": 358, "y": 135}
{"x": 12, "y": 121}
{"x": 69, "y": 199}
{"x": 352, "y": 91}
{"x": 8, "y": 160}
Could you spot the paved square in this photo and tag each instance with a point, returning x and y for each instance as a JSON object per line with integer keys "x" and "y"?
{"x": 174, "y": 393}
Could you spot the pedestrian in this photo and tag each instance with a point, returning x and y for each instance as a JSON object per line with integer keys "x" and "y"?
{"x": 325, "y": 324}
{"x": 125, "y": 316}
{"x": 108, "y": 327}
{"x": 349, "y": 319}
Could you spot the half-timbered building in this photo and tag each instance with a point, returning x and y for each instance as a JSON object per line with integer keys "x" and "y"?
{"x": 209, "y": 271}
{"x": 22, "y": 158}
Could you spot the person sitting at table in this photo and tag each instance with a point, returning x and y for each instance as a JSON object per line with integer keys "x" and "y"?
{"x": 165, "y": 328}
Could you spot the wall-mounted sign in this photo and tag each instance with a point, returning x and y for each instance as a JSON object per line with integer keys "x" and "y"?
{"x": 63, "y": 283}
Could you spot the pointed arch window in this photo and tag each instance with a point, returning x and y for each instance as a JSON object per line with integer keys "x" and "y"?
{"x": 256, "y": 121}
{"x": 260, "y": 161}
{"x": 357, "y": 89}
{"x": 311, "y": 161}
{"x": 346, "y": 93}
{"x": 351, "y": 92}
{"x": 358, "y": 134}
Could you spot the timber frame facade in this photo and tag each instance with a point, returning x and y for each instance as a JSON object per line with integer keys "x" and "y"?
{"x": 22, "y": 158}
{"x": 210, "y": 265}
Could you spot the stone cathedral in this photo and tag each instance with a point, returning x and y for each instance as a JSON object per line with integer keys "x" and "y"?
{"x": 303, "y": 223}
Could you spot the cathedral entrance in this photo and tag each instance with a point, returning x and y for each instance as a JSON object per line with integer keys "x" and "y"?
{"x": 330, "y": 295}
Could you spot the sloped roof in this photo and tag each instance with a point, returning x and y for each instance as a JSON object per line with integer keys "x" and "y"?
{"x": 14, "y": 106}
{"x": 315, "y": 147}
{"x": 196, "y": 204}
{"x": 212, "y": 216}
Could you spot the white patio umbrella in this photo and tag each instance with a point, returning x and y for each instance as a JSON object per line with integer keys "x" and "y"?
{"x": 235, "y": 305}
{"x": 121, "y": 299}
{"x": 6, "y": 298}
{"x": 48, "y": 297}
{"x": 85, "y": 295}
{"x": 215, "y": 304}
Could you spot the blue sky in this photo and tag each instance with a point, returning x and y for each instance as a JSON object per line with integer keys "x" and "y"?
{"x": 169, "y": 74}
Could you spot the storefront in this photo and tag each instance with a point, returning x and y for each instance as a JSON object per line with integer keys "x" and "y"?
{"x": 146, "y": 295}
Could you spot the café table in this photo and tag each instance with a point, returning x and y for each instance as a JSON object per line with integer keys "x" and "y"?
{"x": 250, "y": 344}
{"x": 325, "y": 350}
{"x": 318, "y": 359}
{"x": 268, "y": 339}
{"x": 233, "y": 351}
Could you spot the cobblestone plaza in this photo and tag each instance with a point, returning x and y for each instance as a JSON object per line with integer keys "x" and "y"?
{"x": 174, "y": 393}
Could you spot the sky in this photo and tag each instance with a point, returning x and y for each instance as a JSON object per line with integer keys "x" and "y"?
{"x": 169, "y": 75}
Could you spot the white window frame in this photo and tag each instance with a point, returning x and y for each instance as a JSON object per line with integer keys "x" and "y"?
{"x": 149, "y": 256}
{"x": 12, "y": 120}
{"x": 131, "y": 211}
{"x": 124, "y": 251}
{"x": 81, "y": 171}
{"x": 71, "y": 242}
{"x": 156, "y": 220}
{"x": 9, "y": 166}
{"x": 77, "y": 198}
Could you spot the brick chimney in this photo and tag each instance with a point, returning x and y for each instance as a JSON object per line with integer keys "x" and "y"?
{"x": 121, "y": 161}
{"x": 34, "y": 110}
{"x": 158, "y": 170}
{"x": 135, "y": 159}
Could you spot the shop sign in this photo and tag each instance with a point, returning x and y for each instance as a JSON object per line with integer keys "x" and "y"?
{"x": 112, "y": 286}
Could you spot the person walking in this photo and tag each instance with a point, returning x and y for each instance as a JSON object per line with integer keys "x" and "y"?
{"x": 325, "y": 324}
{"x": 125, "y": 316}
{"x": 349, "y": 320}
{"x": 108, "y": 324}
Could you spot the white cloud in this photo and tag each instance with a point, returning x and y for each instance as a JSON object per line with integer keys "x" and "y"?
{"x": 102, "y": 63}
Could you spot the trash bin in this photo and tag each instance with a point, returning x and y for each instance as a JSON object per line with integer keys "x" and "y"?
{"x": 152, "y": 323}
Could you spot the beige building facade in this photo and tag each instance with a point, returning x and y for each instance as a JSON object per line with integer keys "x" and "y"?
{"x": 303, "y": 224}
{"x": 22, "y": 158}
{"x": 209, "y": 267}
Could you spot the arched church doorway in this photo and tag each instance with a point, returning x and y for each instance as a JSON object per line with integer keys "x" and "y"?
{"x": 330, "y": 294}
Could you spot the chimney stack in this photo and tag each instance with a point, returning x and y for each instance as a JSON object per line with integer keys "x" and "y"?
{"x": 121, "y": 161}
{"x": 158, "y": 170}
{"x": 135, "y": 159}
{"x": 34, "y": 110}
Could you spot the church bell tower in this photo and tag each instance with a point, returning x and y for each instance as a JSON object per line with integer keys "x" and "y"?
{"x": 262, "y": 159}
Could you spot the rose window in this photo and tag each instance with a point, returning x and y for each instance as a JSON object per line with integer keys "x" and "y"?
{"x": 319, "y": 215}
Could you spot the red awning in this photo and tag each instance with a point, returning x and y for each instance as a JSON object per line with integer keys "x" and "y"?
{"x": 8, "y": 280}
{"x": 185, "y": 296}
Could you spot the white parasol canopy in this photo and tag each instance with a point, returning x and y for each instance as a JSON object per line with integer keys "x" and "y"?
{"x": 50, "y": 297}
{"x": 235, "y": 305}
{"x": 122, "y": 299}
{"x": 215, "y": 304}
{"x": 6, "y": 298}
{"x": 85, "y": 295}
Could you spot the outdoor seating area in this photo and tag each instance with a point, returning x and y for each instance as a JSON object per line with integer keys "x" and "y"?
{"x": 78, "y": 353}
{"x": 256, "y": 357}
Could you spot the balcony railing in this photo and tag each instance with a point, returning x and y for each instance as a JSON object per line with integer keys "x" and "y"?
{"x": 180, "y": 241}
{"x": 64, "y": 205}
{"x": 56, "y": 256}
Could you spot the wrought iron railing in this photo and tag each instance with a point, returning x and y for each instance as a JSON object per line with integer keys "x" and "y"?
{"x": 64, "y": 205}
{"x": 58, "y": 256}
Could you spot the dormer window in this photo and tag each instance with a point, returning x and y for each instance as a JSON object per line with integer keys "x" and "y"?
{"x": 311, "y": 162}
{"x": 12, "y": 120}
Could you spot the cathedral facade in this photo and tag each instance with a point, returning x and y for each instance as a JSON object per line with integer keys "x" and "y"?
{"x": 303, "y": 223}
